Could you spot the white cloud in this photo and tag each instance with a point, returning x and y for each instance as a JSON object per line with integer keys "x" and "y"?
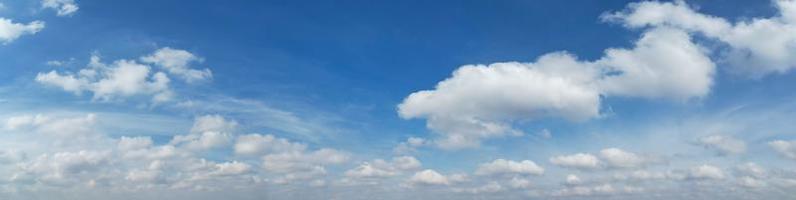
{"x": 428, "y": 177}
{"x": 410, "y": 146}
{"x": 125, "y": 78}
{"x": 757, "y": 47}
{"x": 664, "y": 64}
{"x": 176, "y": 61}
{"x": 619, "y": 158}
{"x": 208, "y": 132}
{"x": 705, "y": 172}
{"x": 601, "y": 189}
{"x": 478, "y": 101}
{"x": 501, "y": 166}
{"x": 231, "y": 168}
{"x": 483, "y": 101}
{"x": 10, "y": 31}
{"x": 62, "y": 7}
{"x": 379, "y": 168}
{"x": 302, "y": 165}
{"x": 256, "y": 144}
{"x": 122, "y": 78}
{"x": 573, "y": 180}
{"x": 784, "y": 148}
{"x": 724, "y": 145}
{"x": 578, "y": 161}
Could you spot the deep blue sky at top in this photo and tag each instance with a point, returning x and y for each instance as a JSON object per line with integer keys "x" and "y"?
{"x": 355, "y": 58}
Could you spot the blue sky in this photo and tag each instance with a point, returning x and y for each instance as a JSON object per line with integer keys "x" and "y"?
{"x": 397, "y": 99}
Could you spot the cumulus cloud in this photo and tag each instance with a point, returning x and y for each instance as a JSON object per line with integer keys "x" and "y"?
{"x": 379, "y": 168}
{"x": 138, "y": 163}
{"x": 429, "y": 177}
{"x": 122, "y": 78}
{"x": 510, "y": 167}
{"x": 601, "y": 189}
{"x": 706, "y": 172}
{"x": 410, "y": 146}
{"x": 257, "y": 144}
{"x": 784, "y": 148}
{"x": 577, "y": 161}
{"x": 756, "y": 47}
{"x": 176, "y": 62}
{"x": 724, "y": 145}
{"x": 10, "y": 31}
{"x": 573, "y": 180}
{"x": 208, "y": 132}
{"x": 62, "y": 7}
{"x": 618, "y": 158}
{"x": 483, "y": 101}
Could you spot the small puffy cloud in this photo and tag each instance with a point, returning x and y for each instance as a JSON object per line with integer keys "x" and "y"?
{"x": 208, "y": 132}
{"x": 410, "y": 146}
{"x": 134, "y": 143}
{"x": 756, "y": 47}
{"x": 302, "y": 165}
{"x": 601, "y": 189}
{"x": 213, "y": 123}
{"x": 490, "y": 187}
{"x": 784, "y": 148}
{"x": 618, "y": 158}
{"x": 176, "y": 61}
{"x": 573, "y": 180}
{"x": 61, "y": 127}
{"x": 501, "y": 166}
{"x": 428, "y": 177}
{"x": 705, "y": 172}
{"x": 123, "y": 78}
{"x": 231, "y": 168}
{"x": 577, "y": 161}
{"x": 62, "y": 167}
{"x": 379, "y": 168}
{"x": 62, "y": 7}
{"x": 257, "y": 144}
{"x": 724, "y": 145}
{"x": 10, "y": 31}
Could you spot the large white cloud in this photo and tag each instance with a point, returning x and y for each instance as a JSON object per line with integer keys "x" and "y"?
{"x": 757, "y": 46}
{"x": 483, "y": 101}
{"x": 10, "y": 31}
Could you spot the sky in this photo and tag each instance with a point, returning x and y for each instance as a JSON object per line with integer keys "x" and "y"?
{"x": 397, "y": 100}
